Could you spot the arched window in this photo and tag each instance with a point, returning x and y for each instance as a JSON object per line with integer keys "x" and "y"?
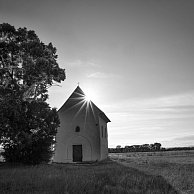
{"x": 77, "y": 129}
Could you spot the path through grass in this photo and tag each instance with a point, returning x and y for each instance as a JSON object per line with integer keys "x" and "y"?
{"x": 177, "y": 167}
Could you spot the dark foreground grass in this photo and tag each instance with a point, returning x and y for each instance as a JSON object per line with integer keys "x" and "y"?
{"x": 105, "y": 177}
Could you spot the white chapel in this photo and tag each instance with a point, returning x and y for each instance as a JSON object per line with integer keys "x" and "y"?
{"x": 82, "y": 135}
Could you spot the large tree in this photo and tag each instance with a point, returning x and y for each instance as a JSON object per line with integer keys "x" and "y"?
{"x": 28, "y": 67}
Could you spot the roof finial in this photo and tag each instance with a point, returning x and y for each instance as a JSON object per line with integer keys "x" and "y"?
{"x": 78, "y": 83}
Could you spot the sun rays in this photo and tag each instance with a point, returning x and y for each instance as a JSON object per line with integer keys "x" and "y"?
{"x": 83, "y": 104}
{"x": 87, "y": 98}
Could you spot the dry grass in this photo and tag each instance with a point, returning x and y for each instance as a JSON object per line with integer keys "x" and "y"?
{"x": 177, "y": 167}
{"x": 105, "y": 177}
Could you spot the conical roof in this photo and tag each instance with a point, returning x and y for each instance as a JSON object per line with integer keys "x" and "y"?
{"x": 78, "y": 100}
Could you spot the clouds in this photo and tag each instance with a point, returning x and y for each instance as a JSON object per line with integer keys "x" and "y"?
{"x": 168, "y": 119}
{"x": 83, "y": 64}
{"x": 92, "y": 69}
{"x": 102, "y": 75}
{"x": 176, "y": 102}
{"x": 187, "y": 140}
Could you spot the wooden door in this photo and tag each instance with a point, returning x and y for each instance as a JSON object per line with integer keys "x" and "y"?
{"x": 77, "y": 153}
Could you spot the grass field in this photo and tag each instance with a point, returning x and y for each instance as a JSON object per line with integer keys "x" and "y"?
{"x": 106, "y": 177}
{"x": 177, "y": 167}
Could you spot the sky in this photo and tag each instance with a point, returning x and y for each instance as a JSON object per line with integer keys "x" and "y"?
{"x": 134, "y": 58}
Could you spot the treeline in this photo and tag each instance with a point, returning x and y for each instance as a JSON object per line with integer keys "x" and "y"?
{"x": 137, "y": 148}
{"x": 146, "y": 148}
{"x": 179, "y": 148}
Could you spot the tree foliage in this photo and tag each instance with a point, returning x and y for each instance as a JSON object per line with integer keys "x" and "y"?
{"x": 28, "y": 67}
{"x": 29, "y": 128}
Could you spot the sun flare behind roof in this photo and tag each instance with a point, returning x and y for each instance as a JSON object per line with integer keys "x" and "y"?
{"x": 90, "y": 94}
{"x": 82, "y": 101}
{"x": 87, "y": 98}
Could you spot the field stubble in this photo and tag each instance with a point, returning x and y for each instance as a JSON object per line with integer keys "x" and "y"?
{"x": 177, "y": 167}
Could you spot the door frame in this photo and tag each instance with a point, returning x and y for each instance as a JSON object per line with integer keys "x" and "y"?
{"x": 80, "y": 158}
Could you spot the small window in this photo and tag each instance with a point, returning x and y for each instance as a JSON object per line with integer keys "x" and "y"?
{"x": 77, "y": 129}
{"x": 105, "y": 132}
{"x": 102, "y": 131}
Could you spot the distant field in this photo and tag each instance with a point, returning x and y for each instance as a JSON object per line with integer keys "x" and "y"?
{"x": 98, "y": 178}
{"x": 177, "y": 167}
